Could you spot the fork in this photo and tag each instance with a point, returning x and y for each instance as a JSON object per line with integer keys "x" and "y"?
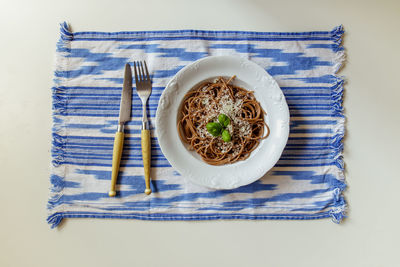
{"x": 143, "y": 88}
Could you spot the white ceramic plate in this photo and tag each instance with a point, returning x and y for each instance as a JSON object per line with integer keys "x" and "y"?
{"x": 250, "y": 76}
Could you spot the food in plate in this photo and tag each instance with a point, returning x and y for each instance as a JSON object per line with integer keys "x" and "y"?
{"x": 222, "y": 122}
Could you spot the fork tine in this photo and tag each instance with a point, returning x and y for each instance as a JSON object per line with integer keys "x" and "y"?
{"x": 142, "y": 71}
{"x": 136, "y": 75}
{"x": 138, "y": 71}
{"x": 147, "y": 71}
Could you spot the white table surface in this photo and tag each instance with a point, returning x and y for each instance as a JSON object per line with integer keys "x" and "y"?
{"x": 368, "y": 237}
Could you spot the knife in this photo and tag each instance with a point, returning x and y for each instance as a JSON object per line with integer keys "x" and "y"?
{"x": 124, "y": 116}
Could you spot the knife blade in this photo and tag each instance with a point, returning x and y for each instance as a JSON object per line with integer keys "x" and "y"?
{"x": 126, "y": 96}
{"x": 124, "y": 116}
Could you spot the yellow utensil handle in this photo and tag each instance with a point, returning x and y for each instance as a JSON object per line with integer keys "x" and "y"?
{"x": 117, "y": 153}
{"x": 146, "y": 154}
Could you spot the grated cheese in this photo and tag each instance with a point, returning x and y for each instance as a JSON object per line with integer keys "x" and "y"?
{"x": 231, "y": 108}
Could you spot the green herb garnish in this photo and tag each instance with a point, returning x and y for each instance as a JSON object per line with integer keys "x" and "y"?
{"x": 214, "y": 128}
{"x": 226, "y": 136}
{"x": 218, "y": 128}
{"x": 224, "y": 120}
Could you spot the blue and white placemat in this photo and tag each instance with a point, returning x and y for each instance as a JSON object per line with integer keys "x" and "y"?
{"x": 306, "y": 183}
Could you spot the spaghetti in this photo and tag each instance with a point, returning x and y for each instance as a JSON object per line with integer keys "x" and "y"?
{"x": 204, "y": 104}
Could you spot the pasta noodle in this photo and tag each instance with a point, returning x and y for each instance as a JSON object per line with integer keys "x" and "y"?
{"x": 204, "y": 104}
